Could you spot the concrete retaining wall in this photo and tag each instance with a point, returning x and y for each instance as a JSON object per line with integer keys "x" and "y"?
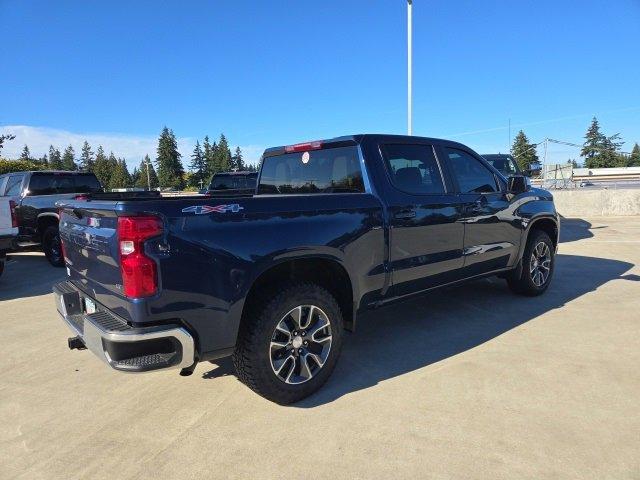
{"x": 597, "y": 203}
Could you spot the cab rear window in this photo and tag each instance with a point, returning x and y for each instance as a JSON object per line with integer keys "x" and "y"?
{"x": 330, "y": 170}
{"x": 57, "y": 183}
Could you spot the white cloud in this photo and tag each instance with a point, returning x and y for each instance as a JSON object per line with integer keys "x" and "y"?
{"x": 131, "y": 147}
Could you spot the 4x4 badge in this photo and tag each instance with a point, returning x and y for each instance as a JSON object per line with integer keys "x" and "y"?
{"x": 204, "y": 209}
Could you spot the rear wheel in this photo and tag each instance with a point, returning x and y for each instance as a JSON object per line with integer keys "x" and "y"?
{"x": 289, "y": 344}
{"x": 538, "y": 262}
{"x": 52, "y": 247}
{"x": 3, "y": 259}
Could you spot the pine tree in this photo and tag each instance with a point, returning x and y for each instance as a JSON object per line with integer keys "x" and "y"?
{"x": 198, "y": 167}
{"x": 634, "y": 160}
{"x": 222, "y": 155}
{"x": 170, "y": 169}
{"x": 120, "y": 177}
{"x": 524, "y": 152}
{"x": 238, "y": 161}
{"x": 600, "y": 151}
{"x": 44, "y": 160}
{"x": 101, "y": 167}
{"x": 4, "y": 138}
{"x": 26, "y": 155}
{"x": 87, "y": 162}
{"x": 209, "y": 156}
{"x": 68, "y": 159}
{"x": 143, "y": 180}
{"x": 55, "y": 159}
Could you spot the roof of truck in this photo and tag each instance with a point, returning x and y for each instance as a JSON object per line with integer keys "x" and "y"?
{"x": 358, "y": 138}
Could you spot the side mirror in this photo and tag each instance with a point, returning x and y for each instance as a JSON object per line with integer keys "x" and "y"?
{"x": 517, "y": 184}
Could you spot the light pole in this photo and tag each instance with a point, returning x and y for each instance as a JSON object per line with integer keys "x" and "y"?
{"x": 409, "y": 69}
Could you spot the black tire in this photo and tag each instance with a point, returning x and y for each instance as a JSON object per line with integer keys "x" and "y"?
{"x": 254, "y": 355}
{"x": 3, "y": 260}
{"x": 531, "y": 281}
{"x": 52, "y": 247}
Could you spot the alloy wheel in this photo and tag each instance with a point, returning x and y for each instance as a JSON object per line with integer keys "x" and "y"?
{"x": 300, "y": 344}
{"x": 540, "y": 264}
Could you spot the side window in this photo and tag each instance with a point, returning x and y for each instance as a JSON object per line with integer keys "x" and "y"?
{"x": 413, "y": 168}
{"x": 13, "y": 185}
{"x": 472, "y": 176}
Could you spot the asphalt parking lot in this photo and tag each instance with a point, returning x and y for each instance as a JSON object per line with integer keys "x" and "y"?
{"x": 469, "y": 382}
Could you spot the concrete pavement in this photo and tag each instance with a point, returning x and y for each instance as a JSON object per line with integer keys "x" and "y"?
{"x": 469, "y": 382}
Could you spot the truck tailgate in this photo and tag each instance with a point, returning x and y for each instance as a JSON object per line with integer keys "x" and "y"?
{"x": 89, "y": 236}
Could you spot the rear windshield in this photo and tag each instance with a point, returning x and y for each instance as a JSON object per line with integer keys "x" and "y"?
{"x": 233, "y": 182}
{"x": 331, "y": 170}
{"x": 55, "y": 183}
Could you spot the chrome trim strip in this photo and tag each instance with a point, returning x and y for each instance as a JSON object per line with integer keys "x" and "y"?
{"x": 365, "y": 172}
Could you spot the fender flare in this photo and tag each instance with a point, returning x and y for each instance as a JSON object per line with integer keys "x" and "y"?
{"x": 525, "y": 236}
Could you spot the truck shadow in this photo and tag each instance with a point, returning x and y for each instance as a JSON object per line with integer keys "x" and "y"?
{"x": 573, "y": 229}
{"x": 408, "y": 336}
{"x": 28, "y": 274}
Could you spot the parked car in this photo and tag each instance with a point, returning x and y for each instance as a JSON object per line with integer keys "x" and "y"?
{"x": 233, "y": 183}
{"x": 8, "y": 229}
{"x": 35, "y": 195}
{"x": 336, "y": 227}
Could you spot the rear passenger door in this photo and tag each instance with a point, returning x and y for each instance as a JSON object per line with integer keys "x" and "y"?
{"x": 491, "y": 232}
{"x": 424, "y": 213}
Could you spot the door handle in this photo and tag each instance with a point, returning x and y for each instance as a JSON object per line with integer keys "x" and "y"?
{"x": 405, "y": 214}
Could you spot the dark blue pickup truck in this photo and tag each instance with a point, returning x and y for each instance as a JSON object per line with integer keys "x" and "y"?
{"x": 273, "y": 278}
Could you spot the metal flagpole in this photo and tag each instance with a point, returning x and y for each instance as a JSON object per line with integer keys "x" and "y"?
{"x": 409, "y": 69}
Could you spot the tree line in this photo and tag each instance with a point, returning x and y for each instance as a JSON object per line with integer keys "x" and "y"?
{"x": 598, "y": 150}
{"x": 165, "y": 171}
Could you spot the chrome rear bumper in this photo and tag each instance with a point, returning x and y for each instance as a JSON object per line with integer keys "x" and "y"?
{"x": 117, "y": 343}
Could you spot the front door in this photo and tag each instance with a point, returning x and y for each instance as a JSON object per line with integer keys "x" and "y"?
{"x": 426, "y": 234}
{"x": 491, "y": 231}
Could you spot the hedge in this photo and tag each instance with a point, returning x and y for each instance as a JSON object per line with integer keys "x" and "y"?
{"x": 8, "y": 166}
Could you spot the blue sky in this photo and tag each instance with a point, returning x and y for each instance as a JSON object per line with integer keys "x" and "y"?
{"x": 274, "y": 72}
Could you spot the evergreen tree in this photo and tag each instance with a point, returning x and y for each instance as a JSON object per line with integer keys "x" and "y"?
{"x": 87, "y": 162}
{"x": 44, "y": 161}
{"x": 120, "y": 177}
{"x": 600, "y": 151}
{"x": 222, "y": 160}
{"x": 198, "y": 167}
{"x": 634, "y": 160}
{"x": 238, "y": 161}
{"x": 68, "y": 159}
{"x": 102, "y": 168}
{"x": 170, "y": 170}
{"x": 26, "y": 155}
{"x": 55, "y": 159}
{"x": 524, "y": 152}
{"x": 143, "y": 180}
{"x": 209, "y": 156}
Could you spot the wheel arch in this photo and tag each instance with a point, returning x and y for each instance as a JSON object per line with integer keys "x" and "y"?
{"x": 46, "y": 220}
{"x": 326, "y": 271}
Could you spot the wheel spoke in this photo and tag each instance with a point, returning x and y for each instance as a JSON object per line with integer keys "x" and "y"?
{"x": 316, "y": 358}
{"x": 296, "y": 314}
{"x": 309, "y": 318}
{"x": 305, "y": 372}
{"x": 278, "y": 365}
{"x": 277, "y": 344}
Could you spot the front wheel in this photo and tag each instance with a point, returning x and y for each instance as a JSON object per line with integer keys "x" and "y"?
{"x": 289, "y": 344}
{"x": 52, "y": 246}
{"x": 538, "y": 262}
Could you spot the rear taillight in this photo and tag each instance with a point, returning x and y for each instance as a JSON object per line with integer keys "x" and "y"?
{"x": 14, "y": 217}
{"x": 139, "y": 272}
{"x": 303, "y": 147}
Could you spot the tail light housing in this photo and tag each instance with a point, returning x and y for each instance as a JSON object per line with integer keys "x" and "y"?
{"x": 14, "y": 217}
{"x": 139, "y": 271}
